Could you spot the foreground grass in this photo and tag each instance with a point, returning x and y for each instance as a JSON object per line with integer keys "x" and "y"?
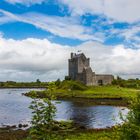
{"x": 8, "y": 134}
{"x": 93, "y": 135}
{"x": 108, "y": 134}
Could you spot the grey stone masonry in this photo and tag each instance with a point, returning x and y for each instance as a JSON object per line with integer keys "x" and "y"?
{"x": 80, "y": 70}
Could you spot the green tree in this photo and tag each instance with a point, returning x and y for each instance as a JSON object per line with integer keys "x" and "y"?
{"x": 43, "y": 116}
{"x": 57, "y": 82}
{"x": 38, "y": 81}
{"x": 67, "y": 78}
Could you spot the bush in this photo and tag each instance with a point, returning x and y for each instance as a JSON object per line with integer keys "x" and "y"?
{"x": 72, "y": 85}
{"x": 43, "y": 114}
{"x": 131, "y": 128}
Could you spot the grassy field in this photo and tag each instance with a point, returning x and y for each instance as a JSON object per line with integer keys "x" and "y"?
{"x": 105, "y": 95}
{"x": 76, "y": 89}
{"x": 99, "y": 92}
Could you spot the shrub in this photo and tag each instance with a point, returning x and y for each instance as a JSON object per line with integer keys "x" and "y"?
{"x": 73, "y": 85}
{"x": 131, "y": 128}
{"x": 43, "y": 114}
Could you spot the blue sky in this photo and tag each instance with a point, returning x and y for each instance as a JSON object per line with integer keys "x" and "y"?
{"x": 97, "y": 26}
{"x": 70, "y": 24}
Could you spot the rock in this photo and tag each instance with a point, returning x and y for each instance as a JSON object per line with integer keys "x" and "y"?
{"x": 82, "y": 127}
{"x": 20, "y": 125}
{"x": 25, "y": 125}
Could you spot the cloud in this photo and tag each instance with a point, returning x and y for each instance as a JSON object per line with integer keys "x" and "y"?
{"x": 68, "y": 27}
{"x": 25, "y": 2}
{"x": 33, "y": 58}
{"x": 1, "y": 34}
{"x": 131, "y": 36}
{"x": 119, "y": 10}
{"x": 117, "y": 59}
{"x": 71, "y": 27}
{"x": 5, "y": 19}
{"x": 32, "y": 54}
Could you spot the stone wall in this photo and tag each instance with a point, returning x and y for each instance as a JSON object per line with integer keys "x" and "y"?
{"x": 73, "y": 68}
{"x": 103, "y": 79}
{"x": 88, "y": 76}
{"x": 82, "y": 63}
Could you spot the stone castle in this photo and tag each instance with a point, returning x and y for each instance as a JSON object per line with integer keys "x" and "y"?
{"x": 80, "y": 70}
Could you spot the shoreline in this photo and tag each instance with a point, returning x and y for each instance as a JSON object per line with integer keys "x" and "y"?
{"x": 98, "y": 101}
{"x": 112, "y": 101}
{"x": 22, "y": 87}
{"x": 19, "y": 134}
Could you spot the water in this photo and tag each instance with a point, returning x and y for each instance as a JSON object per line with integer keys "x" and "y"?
{"x": 14, "y": 110}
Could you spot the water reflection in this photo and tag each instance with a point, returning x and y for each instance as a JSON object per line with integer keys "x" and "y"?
{"x": 90, "y": 116}
{"x": 14, "y": 110}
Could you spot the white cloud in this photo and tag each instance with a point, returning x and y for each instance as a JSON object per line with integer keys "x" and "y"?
{"x": 130, "y": 32}
{"x": 131, "y": 36}
{"x": 120, "y": 10}
{"x": 32, "y": 58}
{"x": 116, "y": 59}
{"x": 68, "y": 27}
{"x": 32, "y": 54}
{"x": 5, "y": 19}
{"x": 1, "y": 34}
{"x": 25, "y": 2}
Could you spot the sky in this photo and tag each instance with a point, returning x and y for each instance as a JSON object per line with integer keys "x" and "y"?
{"x": 37, "y": 37}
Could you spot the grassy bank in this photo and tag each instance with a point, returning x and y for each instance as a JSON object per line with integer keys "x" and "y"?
{"x": 9, "y": 134}
{"x": 93, "y": 135}
{"x": 107, "y": 134}
{"x": 99, "y": 92}
{"x": 12, "y": 84}
{"x": 108, "y": 95}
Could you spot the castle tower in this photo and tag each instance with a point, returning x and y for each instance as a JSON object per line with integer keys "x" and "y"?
{"x": 79, "y": 68}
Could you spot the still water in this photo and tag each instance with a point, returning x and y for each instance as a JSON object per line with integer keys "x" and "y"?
{"x": 14, "y": 110}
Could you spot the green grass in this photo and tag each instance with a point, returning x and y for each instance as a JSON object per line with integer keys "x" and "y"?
{"x": 77, "y": 135}
{"x": 114, "y": 95}
{"x": 111, "y": 92}
{"x": 99, "y": 92}
{"x": 95, "y": 135}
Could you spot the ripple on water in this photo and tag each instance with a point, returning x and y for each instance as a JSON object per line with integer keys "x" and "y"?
{"x": 14, "y": 110}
